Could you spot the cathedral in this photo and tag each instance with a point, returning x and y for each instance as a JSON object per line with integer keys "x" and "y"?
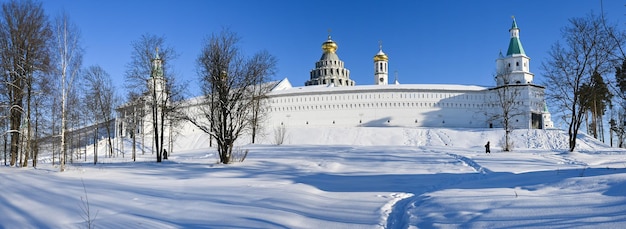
{"x": 330, "y": 98}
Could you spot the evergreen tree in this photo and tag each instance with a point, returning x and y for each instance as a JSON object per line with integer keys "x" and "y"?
{"x": 594, "y": 98}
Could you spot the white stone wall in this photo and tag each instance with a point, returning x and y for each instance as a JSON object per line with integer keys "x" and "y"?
{"x": 380, "y": 107}
{"x": 387, "y": 105}
{"x": 408, "y": 105}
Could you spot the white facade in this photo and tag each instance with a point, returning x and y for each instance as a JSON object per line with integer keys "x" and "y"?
{"x": 382, "y": 104}
{"x": 330, "y": 98}
{"x": 401, "y": 105}
{"x": 135, "y": 117}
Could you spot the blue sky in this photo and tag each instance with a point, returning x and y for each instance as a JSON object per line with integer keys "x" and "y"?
{"x": 428, "y": 42}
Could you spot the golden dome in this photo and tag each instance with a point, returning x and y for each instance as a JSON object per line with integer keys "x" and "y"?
{"x": 329, "y": 45}
{"x": 381, "y": 56}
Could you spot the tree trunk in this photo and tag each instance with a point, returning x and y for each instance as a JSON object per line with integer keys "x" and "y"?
{"x": 171, "y": 139}
{"x": 95, "y": 147}
{"x": 161, "y": 133}
{"x": 155, "y": 125}
{"x": 16, "y": 116}
{"x": 63, "y": 152}
{"x": 36, "y": 140}
{"x": 133, "y": 127}
{"x": 143, "y": 131}
{"x": 95, "y": 142}
{"x": 110, "y": 142}
{"x": 5, "y": 151}
{"x": 28, "y": 149}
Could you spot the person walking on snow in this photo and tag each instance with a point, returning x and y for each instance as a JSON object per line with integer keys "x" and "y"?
{"x": 487, "y": 148}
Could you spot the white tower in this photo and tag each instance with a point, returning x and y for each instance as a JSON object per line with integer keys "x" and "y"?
{"x": 381, "y": 68}
{"x": 514, "y": 68}
{"x": 157, "y": 81}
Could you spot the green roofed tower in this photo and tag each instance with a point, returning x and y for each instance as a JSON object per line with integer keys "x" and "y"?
{"x": 514, "y": 68}
{"x": 515, "y": 45}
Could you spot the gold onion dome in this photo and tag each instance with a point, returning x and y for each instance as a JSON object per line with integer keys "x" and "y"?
{"x": 329, "y": 45}
{"x": 381, "y": 56}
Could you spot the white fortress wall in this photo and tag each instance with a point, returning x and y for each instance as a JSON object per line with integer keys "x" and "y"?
{"x": 389, "y": 105}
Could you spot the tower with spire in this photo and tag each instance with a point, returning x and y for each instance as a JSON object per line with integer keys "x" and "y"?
{"x": 514, "y": 67}
{"x": 330, "y": 69}
{"x": 157, "y": 81}
{"x": 381, "y": 69}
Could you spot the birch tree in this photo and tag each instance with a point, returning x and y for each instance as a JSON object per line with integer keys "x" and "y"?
{"x": 99, "y": 93}
{"x": 68, "y": 55}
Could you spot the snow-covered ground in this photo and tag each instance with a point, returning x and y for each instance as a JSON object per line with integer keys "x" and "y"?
{"x": 335, "y": 178}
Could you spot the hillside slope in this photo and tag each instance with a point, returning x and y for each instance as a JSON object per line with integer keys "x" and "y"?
{"x": 475, "y": 139}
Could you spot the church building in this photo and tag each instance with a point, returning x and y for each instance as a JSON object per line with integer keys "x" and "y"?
{"x": 331, "y": 98}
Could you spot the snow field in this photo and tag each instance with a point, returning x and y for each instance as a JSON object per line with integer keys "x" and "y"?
{"x": 335, "y": 178}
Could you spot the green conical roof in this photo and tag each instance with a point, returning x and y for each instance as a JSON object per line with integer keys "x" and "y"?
{"x": 514, "y": 26}
{"x": 515, "y": 45}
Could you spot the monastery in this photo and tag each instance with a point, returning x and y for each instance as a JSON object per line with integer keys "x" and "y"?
{"x": 331, "y": 98}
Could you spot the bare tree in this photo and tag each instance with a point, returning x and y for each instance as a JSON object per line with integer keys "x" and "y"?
{"x": 228, "y": 81}
{"x": 68, "y": 54}
{"x": 588, "y": 48}
{"x": 43, "y": 113}
{"x": 507, "y": 107}
{"x": 174, "y": 116}
{"x": 74, "y": 122}
{"x": 260, "y": 106}
{"x": 150, "y": 74}
{"x": 100, "y": 95}
{"x": 24, "y": 36}
{"x": 134, "y": 119}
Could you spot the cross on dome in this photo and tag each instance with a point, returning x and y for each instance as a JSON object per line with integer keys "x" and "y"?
{"x": 380, "y": 56}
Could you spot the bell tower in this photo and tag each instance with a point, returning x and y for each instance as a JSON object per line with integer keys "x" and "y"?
{"x": 381, "y": 68}
{"x": 514, "y": 68}
{"x": 156, "y": 82}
